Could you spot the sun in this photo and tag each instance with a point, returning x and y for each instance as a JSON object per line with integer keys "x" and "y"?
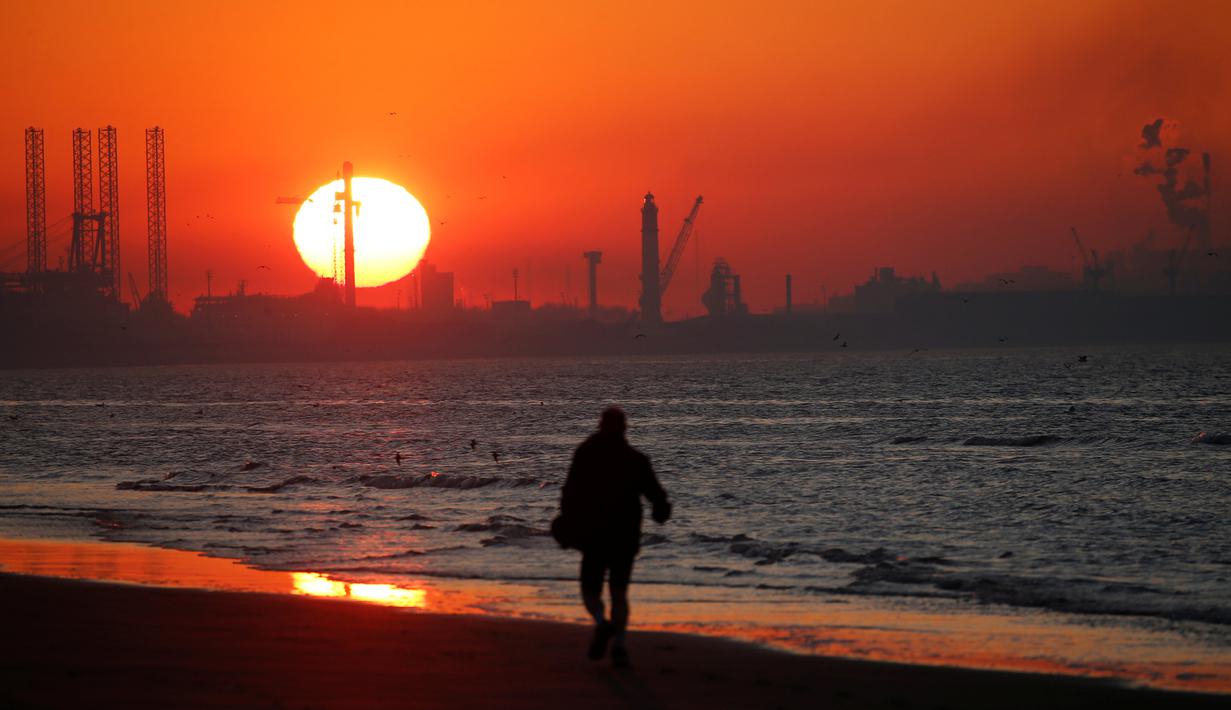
{"x": 391, "y": 232}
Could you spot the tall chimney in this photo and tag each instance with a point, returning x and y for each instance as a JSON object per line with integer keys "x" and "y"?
{"x": 788, "y": 294}
{"x": 651, "y": 300}
{"x": 594, "y": 258}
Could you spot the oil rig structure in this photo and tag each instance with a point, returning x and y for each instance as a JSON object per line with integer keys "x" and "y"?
{"x": 88, "y": 280}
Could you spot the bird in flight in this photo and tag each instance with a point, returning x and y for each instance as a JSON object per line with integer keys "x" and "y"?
{"x": 1003, "y": 340}
{"x": 844, "y": 343}
{"x": 262, "y": 266}
{"x": 393, "y": 113}
{"x": 397, "y": 456}
{"x": 917, "y": 350}
{"x": 836, "y": 336}
{"x": 1006, "y": 282}
{"x": 1083, "y": 358}
{"x": 638, "y": 336}
{"x": 1211, "y": 253}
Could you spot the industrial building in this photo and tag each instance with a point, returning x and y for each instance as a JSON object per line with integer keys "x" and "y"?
{"x": 437, "y": 290}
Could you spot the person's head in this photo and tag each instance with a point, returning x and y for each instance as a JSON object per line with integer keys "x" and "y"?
{"x": 612, "y": 421}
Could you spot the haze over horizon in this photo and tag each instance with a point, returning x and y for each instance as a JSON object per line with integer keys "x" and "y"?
{"x": 826, "y": 140}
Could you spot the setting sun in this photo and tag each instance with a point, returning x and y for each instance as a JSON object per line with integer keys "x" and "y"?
{"x": 391, "y": 231}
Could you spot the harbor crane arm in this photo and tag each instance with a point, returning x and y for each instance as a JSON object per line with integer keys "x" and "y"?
{"x": 677, "y": 251}
{"x": 132, "y": 285}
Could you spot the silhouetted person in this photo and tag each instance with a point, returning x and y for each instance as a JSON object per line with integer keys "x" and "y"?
{"x": 601, "y": 514}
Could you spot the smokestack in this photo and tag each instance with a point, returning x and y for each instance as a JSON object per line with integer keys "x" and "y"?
{"x": 651, "y": 299}
{"x": 594, "y": 258}
{"x": 788, "y": 294}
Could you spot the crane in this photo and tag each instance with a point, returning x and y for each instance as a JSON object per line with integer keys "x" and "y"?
{"x": 677, "y": 251}
{"x": 1092, "y": 271}
{"x": 1173, "y": 262}
{"x": 132, "y": 286}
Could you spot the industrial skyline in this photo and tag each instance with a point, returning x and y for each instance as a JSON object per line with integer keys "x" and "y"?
{"x": 924, "y": 158}
{"x": 92, "y": 255}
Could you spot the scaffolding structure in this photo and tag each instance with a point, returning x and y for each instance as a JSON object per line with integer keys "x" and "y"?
{"x": 36, "y": 203}
{"x": 156, "y": 211}
{"x": 84, "y": 253}
{"x": 109, "y": 207}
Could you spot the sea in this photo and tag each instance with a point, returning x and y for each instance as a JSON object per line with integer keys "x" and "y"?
{"x": 1056, "y": 509}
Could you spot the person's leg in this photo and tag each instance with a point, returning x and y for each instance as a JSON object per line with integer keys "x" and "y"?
{"x": 592, "y": 569}
{"x": 621, "y": 576}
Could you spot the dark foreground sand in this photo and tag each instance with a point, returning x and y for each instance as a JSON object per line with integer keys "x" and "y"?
{"x": 69, "y": 644}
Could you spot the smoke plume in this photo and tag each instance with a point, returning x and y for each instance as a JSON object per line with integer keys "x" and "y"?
{"x": 1149, "y": 135}
{"x": 1177, "y": 199}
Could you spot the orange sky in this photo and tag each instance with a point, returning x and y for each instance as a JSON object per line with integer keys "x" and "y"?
{"x": 826, "y": 138}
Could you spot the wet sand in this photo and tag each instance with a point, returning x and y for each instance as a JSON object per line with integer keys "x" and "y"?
{"x": 82, "y": 644}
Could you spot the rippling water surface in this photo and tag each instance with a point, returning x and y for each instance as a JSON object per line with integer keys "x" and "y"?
{"x": 1023, "y": 478}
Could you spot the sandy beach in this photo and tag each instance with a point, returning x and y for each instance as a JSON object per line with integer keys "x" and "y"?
{"x": 83, "y": 644}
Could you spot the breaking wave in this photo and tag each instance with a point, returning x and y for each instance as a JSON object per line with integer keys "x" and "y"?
{"x": 444, "y": 480}
{"x": 1074, "y": 595}
{"x": 1033, "y": 440}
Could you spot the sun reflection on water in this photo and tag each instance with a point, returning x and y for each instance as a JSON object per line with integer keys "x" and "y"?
{"x": 318, "y": 585}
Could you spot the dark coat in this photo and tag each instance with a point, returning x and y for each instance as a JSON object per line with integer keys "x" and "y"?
{"x": 601, "y": 503}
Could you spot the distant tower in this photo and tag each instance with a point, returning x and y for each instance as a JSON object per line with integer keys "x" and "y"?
{"x": 349, "y": 207}
{"x": 651, "y": 302}
{"x": 594, "y": 258}
{"x": 156, "y": 212}
{"x": 109, "y": 207}
{"x": 788, "y": 294}
{"x": 36, "y": 203}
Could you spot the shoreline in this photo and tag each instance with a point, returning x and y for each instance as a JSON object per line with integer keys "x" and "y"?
{"x": 850, "y": 630}
{"x": 74, "y": 642}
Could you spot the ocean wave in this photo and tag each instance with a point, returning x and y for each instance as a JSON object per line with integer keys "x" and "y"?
{"x": 504, "y": 526}
{"x": 908, "y": 439}
{"x": 1073, "y": 595}
{"x": 275, "y": 487}
{"x": 160, "y": 485}
{"x": 154, "y": 484}
{"x": 393, "y": 556}
{"x": 444, "y": 480}
{"x": 770, "y": 553}
{"x": 1030, "y": 440}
